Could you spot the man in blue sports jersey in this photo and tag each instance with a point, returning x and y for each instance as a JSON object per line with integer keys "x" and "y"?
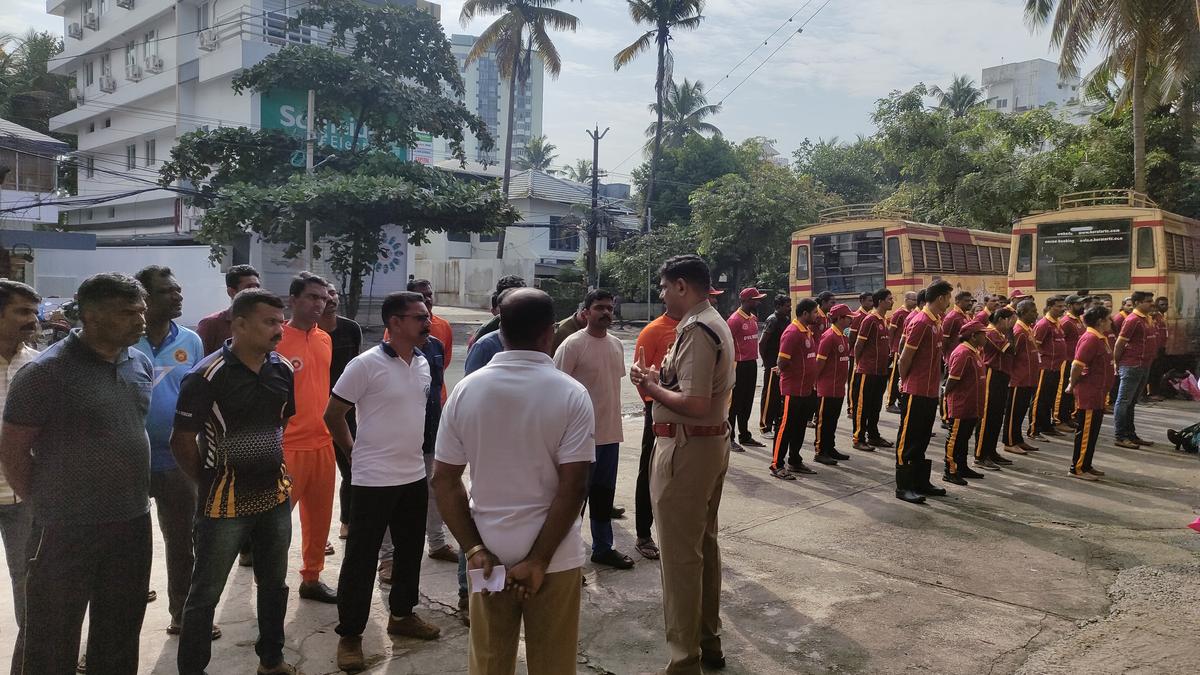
{"x": 174, "y": 350}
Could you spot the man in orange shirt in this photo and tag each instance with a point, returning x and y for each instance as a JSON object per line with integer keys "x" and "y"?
{"x": 307, "y": 444}
{"x": 649, "y": 350}
{"x": 439, "y": 327}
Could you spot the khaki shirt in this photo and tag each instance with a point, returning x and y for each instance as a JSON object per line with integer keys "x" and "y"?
{"x": 700, "y": 363}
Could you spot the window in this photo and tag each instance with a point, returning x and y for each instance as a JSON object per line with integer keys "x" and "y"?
{"x": 1145, "y": 248}
{"x": 130, "y": 157}
{"x": 103, "y": 4}
{"x": 150, "y": 152}
{"x": 801, "y": 263}
{"x": 1000, "y": 257}
{"x": 1081, "y": 254}
{"x": 947, "y": 258}
{"x": 89, "y": 214}
{"x": 112, "y": 212}
{"x": 489, "y": 238}
{"x": 89, "y": 73}
{"x": 130, "y": 54}
{"x": 1183, "y": 252}
{"x": 107, "y": 122}
{"x": 202, "y": 15}
{"x": 89, "y": 167}
{"x": 848, "y": 263}
{"x": 106, "y": 65}
{"x": 918, "y": 255}
{"x": 563, "y": 237}
{"x": 458, "y": 236}
{"x": 1025, "y": 254}
{"x": 973, "y": 266}
{"x": 958, "y": 257}
{"x": 150, "y": 44}
{"x": 1001, "y": 103}
{"x": 91, "y": 127}
{"x": 894, "y": 263}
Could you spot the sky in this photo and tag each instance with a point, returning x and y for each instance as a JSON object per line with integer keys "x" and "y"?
{"x": 822, "y": 83}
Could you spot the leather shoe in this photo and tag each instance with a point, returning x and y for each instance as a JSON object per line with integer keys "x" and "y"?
{"x": 350, "y": 654}
{"x": 1029, "y": 448}
{"x": 838, "y": 455}
{"x": 865, "y": 447}
{"x": 967, "y": 472}
{"x": 751, "y": 442}
{"x": 1002, "y": 461}
{"x": 825, "y": 459}
{"x": 1014, "y": 449}
{"x": 1085, "y": 476}
{"x": 1142, "y": 442}
{"x": 987, "y": 464}
{"x": 445, "y": 553}
{"x": 616, "y": 513}
{"x": 953, "y": 478}
{"x": 1094, "y": 472}
{"x": 894, "y": 409}
{"x": 881, "y": 443}
{"x": 712, "y": 661}
{"x": 318, "y": 591}
{"x": 800, "y": 468}
{"x": 385, "y": 572}
{"x": 412, "y": 626}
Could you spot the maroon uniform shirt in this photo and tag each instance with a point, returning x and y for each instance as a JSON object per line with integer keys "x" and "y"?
{"x": 1094, "y": 355}
{"x": 997, "y": 351}
{"x": 896, "y": 327}
{"x": 873, "y": 336}
{"x": 833, "y": 364}
{"x": 923, "y": 335}
{"x": 1138, "y": 333}
{"x": 964, "y": 401}
{"x": 1026, "y": 359}
{"x": 798, "y": 347}
{"x": 1052, "y": 343}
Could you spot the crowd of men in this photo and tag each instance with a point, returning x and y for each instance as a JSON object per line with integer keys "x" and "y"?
{"x": 231, "y": 427}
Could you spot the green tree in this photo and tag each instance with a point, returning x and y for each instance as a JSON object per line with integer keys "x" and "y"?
{"x": 683, "y": 169}
{"x": 664, "y": 16}
{"x": 520, "y": 30}
{"x": 581, "y": 172}
{"x": 632, "y": 266}
{"x": 686, "y": 109}
{"x": 960, "y": 97}
{"x": 538, "y": 155}
{"x": 852, "y": 171}
{"x": 29, "y": 94}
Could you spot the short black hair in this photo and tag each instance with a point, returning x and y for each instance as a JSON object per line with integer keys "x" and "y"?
{"x": 864, "y": 296}
{"x": 245, "y": 301}
{"x": 1024, "y": 305}
{"x": 1140, "y": 296}
{"x": 594, "y": 295}
{"x": 525, "y": 316}
{"x": 824, "y": 296}
{"x": 301, "y": 282}
{"x": 963, "y": 295}
{"x": 237, "y": 272}
{"x": 10, "y": 288}
{"x": 510, "y": 281}
{"x": 149, "y": 273}
{"x": 1002, "y": 313}
{"x": 108, "y": 286}
{"x": 880, "y": 295}
{"x": 805, "y": 306}
{"x": 414, "y": 284}
{"x": 397, "y": 301}
{"x": 937, "y": 290}
{"x": 921, "y": 296}
{"x": 783, "y": 299}
{"x": 1092, "y": 316}
{"x": 1055, "y": 299}
{"x": 690, "y": 268}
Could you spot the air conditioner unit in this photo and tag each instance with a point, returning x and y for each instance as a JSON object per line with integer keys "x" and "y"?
{"x": 209, "y": 40}
{"x": 127, "y": 4}
{"x": 75, "y": 30}
{"x": 107, "y": 84}
{"x": 75, "y": 94}
{"x": 133, "y": 72}
{"x": 154, "y": 64}
{"x": 90, "y": 20}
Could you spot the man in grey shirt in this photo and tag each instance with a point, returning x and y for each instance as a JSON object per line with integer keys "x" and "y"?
{"x": 74, "y": 446}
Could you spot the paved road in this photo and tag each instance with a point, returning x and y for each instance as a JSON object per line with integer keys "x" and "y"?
{"x": 1026, "y": 571}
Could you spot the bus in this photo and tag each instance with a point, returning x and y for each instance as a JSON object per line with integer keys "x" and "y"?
{"x": 860, "y": 248}
{"x": 1110, "y": 243}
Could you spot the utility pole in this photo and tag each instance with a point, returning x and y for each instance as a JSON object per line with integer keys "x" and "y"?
{"x": 308, "y": 168}
{"x": 593, "y": 272}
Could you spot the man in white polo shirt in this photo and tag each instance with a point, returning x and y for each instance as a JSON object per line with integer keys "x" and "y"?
{"x": 526, "y": 430}
{"x": 388, "y": 386}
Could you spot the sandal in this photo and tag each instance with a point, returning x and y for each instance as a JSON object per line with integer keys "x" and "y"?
{"x": 647, "y": 548}
{"x": 613, "y": 558}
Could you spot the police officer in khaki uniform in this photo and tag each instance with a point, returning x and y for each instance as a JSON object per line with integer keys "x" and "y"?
{"x": 691, "y": 399}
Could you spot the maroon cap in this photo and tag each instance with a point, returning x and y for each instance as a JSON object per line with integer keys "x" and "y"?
{"x": 970, "y": 328}
{"x": 751, "y": 294}
{"x": 1017, "y": 294}
{"x": 838, "y": 311}
{"x": 714, "y": 292}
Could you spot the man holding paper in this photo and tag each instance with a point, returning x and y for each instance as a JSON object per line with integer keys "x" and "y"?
{"x": 528, "y": 433}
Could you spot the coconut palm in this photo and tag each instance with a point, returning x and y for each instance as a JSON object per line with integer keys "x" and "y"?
{"x": 664, "y": 16}
{"x": 518, "y": 32}
{"x": 581, "y": 172}
{"x": 686, "y": 110}
{"x": 538, "y": 155}
{"x": 1137, "y": 37}
{"x": 960, "y": 97}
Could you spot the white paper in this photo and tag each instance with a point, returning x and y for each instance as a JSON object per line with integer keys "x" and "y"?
{"x": 494, "y": 584}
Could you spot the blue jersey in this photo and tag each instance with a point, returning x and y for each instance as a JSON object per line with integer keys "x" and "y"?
{"x": 181, "y": 350}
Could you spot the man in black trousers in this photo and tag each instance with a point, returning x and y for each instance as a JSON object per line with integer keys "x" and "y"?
{"x": 771, "y": 407}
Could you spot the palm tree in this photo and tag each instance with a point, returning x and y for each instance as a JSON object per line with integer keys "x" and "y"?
{"x": 960, "y": 97}
{"x": 581, "y": 172}
{"x": 665, "y": 16}
{"x": 518, "y": 32}
{"x": 1137, "y": 35}
{"x": 686, "y": 109}
{"x": 538, "y": 154}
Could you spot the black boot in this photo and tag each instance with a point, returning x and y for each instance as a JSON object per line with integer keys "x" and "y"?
{"x": 904, "y": 485}
{"x": 921, "y": 480}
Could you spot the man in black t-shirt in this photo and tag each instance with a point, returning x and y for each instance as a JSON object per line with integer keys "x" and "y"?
{"x": 771, "y": 408}
{"x": 346, "y": 335}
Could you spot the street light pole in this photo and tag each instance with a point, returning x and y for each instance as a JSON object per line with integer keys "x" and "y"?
{"x": 592, "y": 261}
{"x": 308, "y": 168}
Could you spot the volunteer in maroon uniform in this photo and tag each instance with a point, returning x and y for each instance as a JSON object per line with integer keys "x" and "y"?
{"x": 1052, "y": 353}
{"x": 872, "y": 346}
{"x": 833, "y": 366}
{"x": 797, "y": 374}
{"x": 990, "y": 304}
{"x": 1022, "y": 379}
{"x": 965, "y": 387}
{"x": 920, "y": 363}
{"x": 743, "y": 324}
{"x": 997, "y": 361}
{"x": 865, "y": 304}
{"x": 1073, "y": 329}
{"x": 1135, "y": 342}
{"x": 896, "y": 328}
{"x": 959, "y": 314}
{"x": 1091, "y": 378}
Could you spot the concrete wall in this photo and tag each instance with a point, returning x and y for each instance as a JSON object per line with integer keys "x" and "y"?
{"x": 468, "y": 282}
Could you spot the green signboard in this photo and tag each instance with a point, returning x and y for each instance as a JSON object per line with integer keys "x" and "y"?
{"x": 287, "y": 110}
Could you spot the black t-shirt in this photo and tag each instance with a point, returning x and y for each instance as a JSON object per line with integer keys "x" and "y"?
{"x": 768, "y": 344}
{"x": 347, "y": 343}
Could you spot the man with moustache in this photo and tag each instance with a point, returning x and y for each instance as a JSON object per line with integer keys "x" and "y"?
{"x": 1073, "y": 328}
{"x": 872, "y": 345}
{"x": 216, "y": 328}
{"x": 896, "y": 328}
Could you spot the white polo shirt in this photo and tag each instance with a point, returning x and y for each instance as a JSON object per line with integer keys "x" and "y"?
{"x": 389, "y": 398}
{"x": 513, "y": 422}
{"x": 24, "y": 355}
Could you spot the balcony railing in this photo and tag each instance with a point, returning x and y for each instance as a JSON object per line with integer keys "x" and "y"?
{"x": 836, "y": 214}
{"x": 1106, "y": 198}
{"x": 252, "y": 23}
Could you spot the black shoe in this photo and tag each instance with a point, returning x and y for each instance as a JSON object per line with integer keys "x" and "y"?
{"x": 880, "y": 443}
{"x": 800, "y": 467}
{"x": 1053, "y": 432}
{"x": 613, "y": 558}
{"x": 734, "y": 447}
{"x": 712, "y": 662}
{"x": 953, "y": 478}
{"x": 825, "y": 459}
{"x": 1174, "y": 438}
{"x": 1001, "y": 460}
{"x": 315, "y": 590}
{"x": 904, "y": 487}
{"x": 864, "y": 447}
{"x": 246, "y": 559}
{"x": 894, "y": 409}
{"x": 967, "y": 472}
{"x": 751, "y": 442}
{"x": 921, "y": 479}
{"x": 838, "y": 455}
{"x": 617, "y": 513}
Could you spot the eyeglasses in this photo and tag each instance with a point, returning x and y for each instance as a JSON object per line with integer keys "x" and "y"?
{"x": 423, "y": 318}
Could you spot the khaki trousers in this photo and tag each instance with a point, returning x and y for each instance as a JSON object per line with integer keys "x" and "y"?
{"x": 685, "y": 487}
{"x": 551, "y": 619}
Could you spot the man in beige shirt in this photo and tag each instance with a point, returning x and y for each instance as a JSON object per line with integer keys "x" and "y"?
{"x": 596, "y": 360}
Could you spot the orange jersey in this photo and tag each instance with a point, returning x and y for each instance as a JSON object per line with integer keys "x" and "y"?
{"x": 653, "y": 342}
{"x": 310, "y": 353}
{"x": 440, "y": 329}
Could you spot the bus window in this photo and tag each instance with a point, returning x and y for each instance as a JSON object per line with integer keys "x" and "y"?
{"x": 801, "y": 262}
{"x": 1025, "y": 253}
{"x": 1145, "y": 248}
{"x": 1082, "y": 254}
{"x": 894, "y": 263}
{"x": 851, "y": 262}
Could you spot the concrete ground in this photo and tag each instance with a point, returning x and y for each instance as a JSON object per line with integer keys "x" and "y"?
{"x": 1025, "y": 571}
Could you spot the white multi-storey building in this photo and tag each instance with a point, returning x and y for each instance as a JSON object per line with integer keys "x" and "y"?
{"x": 1025, "y": 85}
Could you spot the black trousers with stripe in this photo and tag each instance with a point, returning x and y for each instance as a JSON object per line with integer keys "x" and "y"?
{"x": 742, "y": 400}
{"x": 995, "y": 397}
{"x": 1041, "y": 418}
{"x": 868, "y": 403}
{"x": 852, "y": 391}
{"x": 958, "y": 443}
{"x": 917, "y": 416}
{"x": 1015, "y": 409}
{"x": 893, "y": 385}
{"x": 1064, "y": 403}
{"x": 797, "y": 410}
{"x": 771, "y": 407}
{"x": 828, "y": 410}
{"x": 1087, "y": 431}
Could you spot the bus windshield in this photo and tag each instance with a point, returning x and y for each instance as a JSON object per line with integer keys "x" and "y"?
{"x": 1083, "y": 254}
{"x": 846, "y": 263}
